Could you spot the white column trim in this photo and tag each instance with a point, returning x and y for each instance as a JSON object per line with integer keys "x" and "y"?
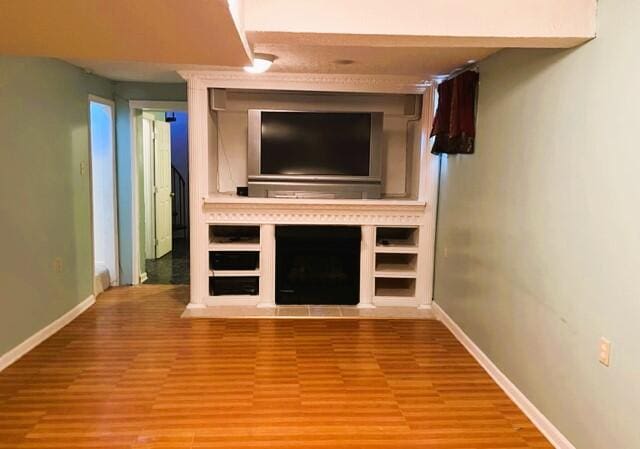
{"x": 198, "y": 109}
{"x": 428, "y": 192}
{"x": 267, "y": 266}
{"x": 367, "y": 266}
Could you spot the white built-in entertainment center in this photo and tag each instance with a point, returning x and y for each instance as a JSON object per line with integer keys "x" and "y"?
{"x": 396, "y": 230}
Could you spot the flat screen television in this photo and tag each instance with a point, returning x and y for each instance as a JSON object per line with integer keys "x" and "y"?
{"x": 298, "y": 154}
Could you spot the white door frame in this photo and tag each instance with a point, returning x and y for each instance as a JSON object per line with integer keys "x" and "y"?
{"x": 135, "y": 105}
{"x": 116, "y": 276}
{"x": 148, "y": 171}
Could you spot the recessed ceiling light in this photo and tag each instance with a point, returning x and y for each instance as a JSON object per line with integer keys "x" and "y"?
{"x": 471, "y": 61}
{"x": 261, "y": 63}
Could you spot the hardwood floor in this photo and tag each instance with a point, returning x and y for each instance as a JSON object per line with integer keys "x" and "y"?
{"x": 129, "y": 373}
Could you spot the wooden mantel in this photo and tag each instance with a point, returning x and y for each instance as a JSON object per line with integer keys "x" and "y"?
{"x": 234, "y": 209}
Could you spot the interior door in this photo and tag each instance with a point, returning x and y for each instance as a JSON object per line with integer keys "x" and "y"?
{"x": 162, "y": 188}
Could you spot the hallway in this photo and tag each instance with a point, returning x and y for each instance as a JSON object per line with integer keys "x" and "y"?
{"x": 172, "y": 268}
{"x": 130, "y": 373}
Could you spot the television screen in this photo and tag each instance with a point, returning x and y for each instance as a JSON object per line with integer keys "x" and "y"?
{"x": 315, "y": 143}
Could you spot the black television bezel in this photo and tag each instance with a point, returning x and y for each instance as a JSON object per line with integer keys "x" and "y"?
{"x": 254, "y": 153}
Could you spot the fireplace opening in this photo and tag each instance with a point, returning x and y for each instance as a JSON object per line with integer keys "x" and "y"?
{"x": 317, "y": 265}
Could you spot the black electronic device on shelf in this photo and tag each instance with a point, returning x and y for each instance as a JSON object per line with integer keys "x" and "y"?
{"x": 234, "y": 285}
{"x": 233, "y": 260}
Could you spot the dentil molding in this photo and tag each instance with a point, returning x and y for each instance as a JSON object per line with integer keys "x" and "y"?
{"x": 307, "y": 81}
{"x": 305, "y": 213}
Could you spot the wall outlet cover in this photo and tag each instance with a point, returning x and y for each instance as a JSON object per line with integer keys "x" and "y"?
{"x": 57, "y": 265}
{"x": 604, "y": 353}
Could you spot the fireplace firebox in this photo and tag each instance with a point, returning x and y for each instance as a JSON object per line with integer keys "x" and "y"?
{"x": 317, "y": 265}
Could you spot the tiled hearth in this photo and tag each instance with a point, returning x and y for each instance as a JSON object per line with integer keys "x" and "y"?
{"x": 309, "y": 312}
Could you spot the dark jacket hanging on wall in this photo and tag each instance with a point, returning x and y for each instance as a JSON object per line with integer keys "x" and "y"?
{"x": 454, "y": 126}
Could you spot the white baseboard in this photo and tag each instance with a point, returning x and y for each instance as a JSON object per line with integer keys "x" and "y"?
{"x": 14, "y": 354}
{"x": 195, "y": 305}
{"x": 555, "y": 437}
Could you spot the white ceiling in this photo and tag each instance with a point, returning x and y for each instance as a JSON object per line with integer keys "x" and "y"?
{"x": 149, "y": 40}
{"x": 421, "y": 63}
{"x": 158, "y": 31}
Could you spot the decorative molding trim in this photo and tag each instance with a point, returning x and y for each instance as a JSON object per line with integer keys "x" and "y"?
{"x": 27, "y": 345}
{"x": 198, "y": 102}
{"x": 311, "y": 218}
{"x": 315, "y": 213}
{"x": 546, "y": 427}
{"x": 307, "y": 81}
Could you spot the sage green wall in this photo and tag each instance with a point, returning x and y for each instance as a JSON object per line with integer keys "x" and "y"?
{"x": 44, "y": 199}
{"x": 538, "y": 241}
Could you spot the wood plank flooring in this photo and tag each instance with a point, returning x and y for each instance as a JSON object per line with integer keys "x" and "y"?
{"x": 130, "y": 373}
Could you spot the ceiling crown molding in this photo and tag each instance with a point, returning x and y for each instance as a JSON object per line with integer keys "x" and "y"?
{"x": 307, "y": 81}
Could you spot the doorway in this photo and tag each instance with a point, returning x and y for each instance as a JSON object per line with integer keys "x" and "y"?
{"x": 103, "y": 193}
{"x": 165, "y": 198}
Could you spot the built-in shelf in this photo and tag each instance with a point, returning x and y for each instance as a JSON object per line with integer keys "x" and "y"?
{"x": 233, "y": 273}
{"x": 222, "y": 235}
{"x": 395, "y": 265}
{"x": 397, "y": 287}
{"x": 236, "y": 246}
{"x": 395, "y": 274}
{"x": 224, "y": 286}
{"x": 396, "y": 249}
{"x": 232, "y": 300}
{"x": 396, "y": 240}
{"x": 237, "y": 250}
{"x": 397, "y": 236}
{"x": 396, "y": 259}
{"x": 239, "y": 280}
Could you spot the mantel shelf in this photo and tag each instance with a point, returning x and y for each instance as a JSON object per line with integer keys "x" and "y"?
{"x": 280, "y": 211}
{"x": 381, "y": 204}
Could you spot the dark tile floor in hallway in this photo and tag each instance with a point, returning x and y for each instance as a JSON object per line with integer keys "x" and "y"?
{"x": 172, "y": 268}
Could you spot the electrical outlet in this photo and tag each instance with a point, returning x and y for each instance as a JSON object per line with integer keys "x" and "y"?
{"x": 57, "y": 265}
{"x": 604, "y": 355}
{"x": 446, "y": 252}
{"x": 83, "y": 168}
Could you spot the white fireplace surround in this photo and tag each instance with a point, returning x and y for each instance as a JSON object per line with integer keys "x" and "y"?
{"x": 209, "y": 208}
